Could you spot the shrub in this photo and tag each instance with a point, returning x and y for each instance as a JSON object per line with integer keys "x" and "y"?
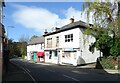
{"x": 108, "y": 63}
{"x": 115, "y": 49}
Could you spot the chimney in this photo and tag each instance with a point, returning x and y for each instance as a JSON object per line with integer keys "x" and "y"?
{"x": 71, "y": 20}
{"x": 56, "y": 29}
{"x": 45, "y": 31}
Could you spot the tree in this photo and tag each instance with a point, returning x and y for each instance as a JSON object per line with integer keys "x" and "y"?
{"x": 105, "y": 28}
{"x": 14, "y": 49}
{"x": 23, "y": 45}
{"x": 34, "y": 36}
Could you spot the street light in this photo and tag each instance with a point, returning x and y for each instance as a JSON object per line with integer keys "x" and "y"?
{"x": 9, "y": 27}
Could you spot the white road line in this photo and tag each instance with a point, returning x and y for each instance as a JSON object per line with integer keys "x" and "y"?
{"x": 78, "y": 72}
{"x": 29, "y": 74}
{"x": 28, "y": 70}
{"x": 70, "y": 77}
{"x": 50, "y": 70}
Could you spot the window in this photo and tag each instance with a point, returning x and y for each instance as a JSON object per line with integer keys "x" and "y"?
{"x": 57, "y": 41}
{"x": 49, "y": 42}
{"x": 42, "y": 46}
{"x": 55, "y": 53}
{"x": 69, "y": 38}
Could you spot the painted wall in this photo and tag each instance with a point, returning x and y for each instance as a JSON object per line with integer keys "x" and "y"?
{"x": 36, "y": 47}
{"x": 75, "y": 43}
{"x": 82, "y": 55}
{"x": 53, "y": 40}
{"x": 54, "y": 58}
{"x": 85, "y": 54}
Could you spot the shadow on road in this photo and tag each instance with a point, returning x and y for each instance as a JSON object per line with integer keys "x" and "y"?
{"x": 14, "y": 73}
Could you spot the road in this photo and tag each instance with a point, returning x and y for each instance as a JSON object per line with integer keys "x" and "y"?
{"x": 50, "y": 72}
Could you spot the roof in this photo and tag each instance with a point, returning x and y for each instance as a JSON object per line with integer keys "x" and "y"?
{"x": 77, "y": 24}
{"x": 37, "y": 40}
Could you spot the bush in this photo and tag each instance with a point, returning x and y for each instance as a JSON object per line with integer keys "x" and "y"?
{"x": 108, "y": 63}
{"x": 115, "y": 49}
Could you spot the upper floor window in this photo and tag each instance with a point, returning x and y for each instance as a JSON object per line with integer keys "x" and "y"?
{"x": 69, "y": 38}
{"x": 57, "y": 41}
{"x": 49, "y": 42}
{"x": 42, "y": 46}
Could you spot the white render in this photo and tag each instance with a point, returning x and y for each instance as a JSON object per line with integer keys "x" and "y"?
{"x": 34, "y": 48}
{"x": 81, "y": 55}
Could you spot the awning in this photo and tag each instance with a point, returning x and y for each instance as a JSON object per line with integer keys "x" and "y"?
{"x": 40, "y": 54}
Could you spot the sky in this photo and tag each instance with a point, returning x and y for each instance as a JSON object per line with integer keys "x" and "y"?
{"x": 32, "y": 18}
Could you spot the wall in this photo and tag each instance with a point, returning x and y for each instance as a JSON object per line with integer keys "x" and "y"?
{"x": 88, "y": 56}
{"x": 85, "y": 55}
{"x": 36, "y": 47}
{"x": 75, "y": 43}
{"x": 1, "y": 58}
{"x": 1, "y": 50}
{"x": 82, "y": 54}
{"x": 53, "y": 40}
{"x": 82, "y": 42}
{"x": 63, "y": 44}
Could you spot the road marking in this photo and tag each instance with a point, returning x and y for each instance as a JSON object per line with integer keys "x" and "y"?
{"x": 78, "y": 72}
{"x": 50, "y": 70}
{"x": 70, "y": 77}
{"x": 28, "y": 70}
{"x": 28, "y": 74}
{"x": 25, "y": 71}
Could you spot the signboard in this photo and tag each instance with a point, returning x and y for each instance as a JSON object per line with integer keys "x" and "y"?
{"x": 68, "y": 49}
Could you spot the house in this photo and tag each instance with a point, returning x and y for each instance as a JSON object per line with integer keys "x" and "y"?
{"x": 35, "y": 49}
{"x": 67, "y": 45}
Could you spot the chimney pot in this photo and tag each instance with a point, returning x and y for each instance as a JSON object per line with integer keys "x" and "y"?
{"x": 71, "y": 20}
{"x": 45, "y": 31}
{"x": 56, "y": 29}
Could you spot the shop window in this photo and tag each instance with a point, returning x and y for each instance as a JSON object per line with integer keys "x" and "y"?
{"x": 56, "y": 53}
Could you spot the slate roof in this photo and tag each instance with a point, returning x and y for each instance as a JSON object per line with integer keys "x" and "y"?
{"x": 37, "y": 40}
{"x": 76, "y": 24}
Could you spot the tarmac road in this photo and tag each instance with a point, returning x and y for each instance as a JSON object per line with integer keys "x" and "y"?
{"x": 51, "y": 72}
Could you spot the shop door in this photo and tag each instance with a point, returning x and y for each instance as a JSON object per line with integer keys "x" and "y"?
{"x": 34, "y": 56}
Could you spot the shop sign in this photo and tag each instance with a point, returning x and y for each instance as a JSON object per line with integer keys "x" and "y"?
{"x": 68, "y": 49}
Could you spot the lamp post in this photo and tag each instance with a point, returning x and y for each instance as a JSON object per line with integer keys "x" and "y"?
{"x": 9, "y": 27}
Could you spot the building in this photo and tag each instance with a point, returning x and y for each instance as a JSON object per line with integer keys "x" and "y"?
{"x": 67, "y": 45}
{"x": 35, "y": 49}
{"x": 2, "y": 37}
{"x": 2, "y": 44}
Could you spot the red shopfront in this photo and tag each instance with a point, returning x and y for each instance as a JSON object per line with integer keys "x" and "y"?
{"x": 40, "y": 56}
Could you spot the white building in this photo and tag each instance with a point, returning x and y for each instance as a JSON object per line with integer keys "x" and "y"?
{"x": 66, "y": 45}
{"x": 34, "y": 46}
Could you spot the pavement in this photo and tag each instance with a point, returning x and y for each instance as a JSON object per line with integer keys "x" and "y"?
{"x": 15, "y": 73}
